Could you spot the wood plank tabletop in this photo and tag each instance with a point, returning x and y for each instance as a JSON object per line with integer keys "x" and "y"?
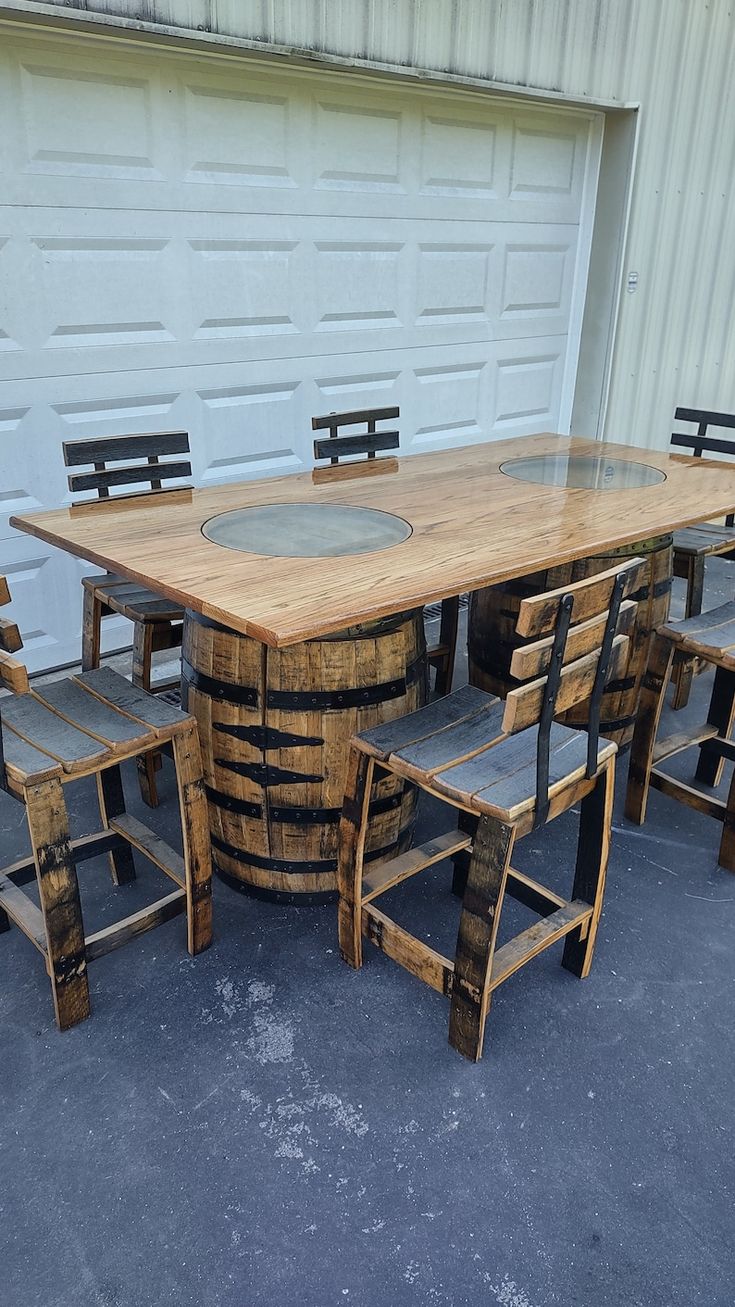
{"x": 471, "y": 526}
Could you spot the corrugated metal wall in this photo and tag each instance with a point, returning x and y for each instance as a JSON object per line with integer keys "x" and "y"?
{"x": 675, "y": 342}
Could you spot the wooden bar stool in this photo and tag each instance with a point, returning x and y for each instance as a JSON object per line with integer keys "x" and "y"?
{"x": 693, "y": 545}
{"x": 710, "y": 638}
{"x": 335, "y": 447}
{"x": 509, "y": 768}
{"x": 157, "y": 622}
{"x": 87, "y": 725}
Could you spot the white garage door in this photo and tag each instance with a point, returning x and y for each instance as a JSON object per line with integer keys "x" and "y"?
{"x": 207, "y": 244}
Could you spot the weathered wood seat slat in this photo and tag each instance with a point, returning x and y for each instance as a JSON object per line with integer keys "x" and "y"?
{"x": 70, "y": 700}
{"x": 80, "y": 726}
{"x": 24, "y": 762}
{"x": 75, "y": 749}
{"x": 508, "y": 768}
{"x": 161, "y": 717}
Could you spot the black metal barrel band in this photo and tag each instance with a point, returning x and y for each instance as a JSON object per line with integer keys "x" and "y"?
{"x": 350, "y": 697}
{"x": 291, "y": 815}
{"x": 191, "y": 679}
{"x": 287, "y": 866}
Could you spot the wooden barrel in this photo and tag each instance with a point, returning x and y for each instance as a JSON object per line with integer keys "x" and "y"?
{"x": 275, "y": 725}
{"x": 492, "y": 634}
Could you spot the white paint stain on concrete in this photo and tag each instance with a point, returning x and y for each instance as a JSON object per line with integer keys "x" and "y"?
{"x": 508, "y": 1293}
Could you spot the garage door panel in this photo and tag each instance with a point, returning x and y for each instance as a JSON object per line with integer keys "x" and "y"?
{"x": 264, "y": 408}
{"x": 253, "y": 142}
{"x": 276, "y": 288}
{"x": 229, "y": 249}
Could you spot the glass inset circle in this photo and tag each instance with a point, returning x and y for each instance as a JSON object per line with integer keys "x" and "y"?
{"x": 583, "y": 472}
{"x": 306, "y": 530}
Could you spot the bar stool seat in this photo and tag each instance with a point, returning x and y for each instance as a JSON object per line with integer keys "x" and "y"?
{"x": 469, "y": 760}
{"x": 131, "y": 600}
{"x": 709, "y": 635}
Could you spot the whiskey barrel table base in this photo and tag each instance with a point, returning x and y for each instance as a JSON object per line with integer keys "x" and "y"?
{"x": 492, "y": 635}
{"x": 275, "y": 726}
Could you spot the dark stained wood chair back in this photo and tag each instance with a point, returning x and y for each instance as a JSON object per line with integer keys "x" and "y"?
{"x": 13, "y": 675}
{"x": 336, "y": 446}
{"x": 579, "y": 642}
{"x": 701, "y": 443}
{"x": 136, "y": 461}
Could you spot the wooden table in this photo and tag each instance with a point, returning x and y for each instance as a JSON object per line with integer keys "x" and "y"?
{"x": 471, "y": 526}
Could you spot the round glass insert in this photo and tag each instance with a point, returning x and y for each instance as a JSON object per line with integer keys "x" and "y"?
{"x": 583, "y": 472}
{"x": 306, "y": 530}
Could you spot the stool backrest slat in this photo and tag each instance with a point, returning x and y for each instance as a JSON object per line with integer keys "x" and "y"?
{"x": 584, "y": 643}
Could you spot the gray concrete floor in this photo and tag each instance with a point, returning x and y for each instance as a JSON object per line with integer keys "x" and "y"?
{"x": 263, "y": 1126}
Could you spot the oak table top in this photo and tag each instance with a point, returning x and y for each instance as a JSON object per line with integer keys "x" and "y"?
{"x": 471, "y": 526}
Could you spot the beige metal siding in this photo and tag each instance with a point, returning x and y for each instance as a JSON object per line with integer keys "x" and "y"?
{"x": 675, "y": 343}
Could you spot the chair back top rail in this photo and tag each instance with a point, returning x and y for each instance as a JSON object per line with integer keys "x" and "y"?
{"x": 591, "y": 614}
{"x": 335, "y": 446}
{"x": 537, "y": 615}
{"x": 101, "y": 451}
{"x": 701, "y": 442}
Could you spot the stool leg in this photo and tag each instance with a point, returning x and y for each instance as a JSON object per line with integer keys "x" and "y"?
{"x": 461, "y": 861}
{"x": 721, "y": 714}
{"x": 653, "y": 691}
{"x": 726, "y": 855}
{"x": 593, "y": 849}
{"x": 112, "y": 803}
{"x": 478, "y": 928}
{"x": 91, "y": 631}
{"x": 147, "y": 763}
{"x": 447, "y": 638}
{"x": 352, "y": 832}
{"x": 195, "y": 830}
{"x": 684, "y": 672}
{"x": 58, "y": 890}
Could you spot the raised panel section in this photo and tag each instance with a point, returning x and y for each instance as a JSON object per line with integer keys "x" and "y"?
{"x": 119, "y": 411}
{"x": 452, "y": 282}
{"x": 6, "y": 340}
{"x": 542, "y": 162}
{"x": 251, "y": 431}
{"x": 243, "y": 287}
{"x": 81, "y": 275}
{"x": 356, "y": 148}
{"x": 534, "y": 280}
{"x": 236, "y": 139}
{"x": 356, "y": 284}
{"x": 458, "y": 157}
{"x": 86, "y": 124}
{"x": 526, "y": 388}
{"x": 448, "y": 404}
